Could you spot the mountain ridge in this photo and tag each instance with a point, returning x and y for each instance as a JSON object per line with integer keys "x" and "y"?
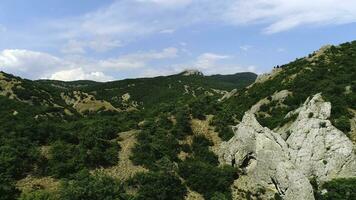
{"x": 67, "y": 137}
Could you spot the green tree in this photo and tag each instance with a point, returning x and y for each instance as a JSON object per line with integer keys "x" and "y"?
{"x": 93, "y": 187}
{"x": 159, "y": 186}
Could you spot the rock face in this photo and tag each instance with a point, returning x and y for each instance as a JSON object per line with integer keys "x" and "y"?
{"x": 191, "y": 72}
{"x": 314, "y": 149}
{"x": 228, "y": 95}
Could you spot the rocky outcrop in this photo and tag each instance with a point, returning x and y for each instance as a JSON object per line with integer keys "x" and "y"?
{"x": 228, "y": 95}
{"x": 279, "y": 97}
{"x": 267, "y": 76}
{"x": 314, "y": 149}
{"x": 84, "y": 102}
{"x": 316, "y": 146}
{"x": 192, "y": 72}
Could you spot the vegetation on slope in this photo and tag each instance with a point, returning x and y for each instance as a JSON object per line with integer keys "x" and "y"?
{"x": 39, "y": 138}
{"x": 331, "y": 72}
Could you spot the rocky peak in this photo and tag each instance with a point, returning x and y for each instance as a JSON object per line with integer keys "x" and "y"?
{"x": 192, "y": 72}
{"x": 314, "y": 148}
{"x": 319, "y": 52}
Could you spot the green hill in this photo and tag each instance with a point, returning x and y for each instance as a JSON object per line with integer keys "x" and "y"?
{"x": 155, "y": 138}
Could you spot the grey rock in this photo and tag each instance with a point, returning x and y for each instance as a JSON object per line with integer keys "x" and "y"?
{"x": 314, "y": 149}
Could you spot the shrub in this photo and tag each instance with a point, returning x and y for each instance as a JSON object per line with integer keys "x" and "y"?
{"x": 93, "y": 187}
{"x": 340, "y": 189}
{"x": 37, "y": 195}
{"x": 322, "y": 124}
{"x": 207, "y": 179}
{"x": 8, "y": 190}
{"x": 200, "y": 148}
{"x": 153, "y": 144}
{"x": 65, "y": 159}
{"x": 158, "y": 186}
{"x": 310, "y": 115}
{"x": 343, "y": 124}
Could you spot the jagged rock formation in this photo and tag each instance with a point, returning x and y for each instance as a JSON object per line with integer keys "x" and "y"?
{"x": 268, "y": 76}
{"x": 314, "y": 148}
{"x": 191, "y": 72}
{"x": 228, "y": 95}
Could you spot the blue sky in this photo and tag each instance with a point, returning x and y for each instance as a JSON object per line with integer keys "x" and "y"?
{"x": 116, "y": 39}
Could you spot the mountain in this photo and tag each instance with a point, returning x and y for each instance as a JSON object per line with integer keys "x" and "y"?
{"x": 289, "y": 134}
{"x": 89, "y": 96}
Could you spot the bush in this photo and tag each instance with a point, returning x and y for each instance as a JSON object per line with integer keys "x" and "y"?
{"x": 340, "y": 189}
{"x": 183, "y": 126}
{"x": 158, "y": 186}
{"x": 8, "y": 190}
{"x": 37, "y": 195}
{"x": 207, "y": 179}
{"x": 322, "y": 124}
{"x": 17, "y": 156}
{"x": 200, "y": 148}
{"x": 65, "y": 159}
{"x": 93, "y": 187}
{"x": 343, "y": 124}
{"x": 153, "y": 144}
{"x": 310, "y": 115}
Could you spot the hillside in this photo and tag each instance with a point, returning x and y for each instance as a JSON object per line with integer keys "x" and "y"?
{"x": 170, "y": 137}
{"x": 51, "y": 130}
{"x": 330, "y": 71}
{"x": 76, "y": 97}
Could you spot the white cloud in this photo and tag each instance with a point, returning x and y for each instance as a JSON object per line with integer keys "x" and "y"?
{"x": 125, "y": 21}
{"x": 34, "y": 65}
{"x": 79, "y": 74}
{"x": 282, "y": 15}
{"x": 209, "y": 60}
{"x": 137, "y": 60}
{"x": 245, "y": 47}
{"x": 168, "y": 3}
{"x": 210, "y": 63}
{"x": 30, "y": 63}
{"x": 98, "y": 44}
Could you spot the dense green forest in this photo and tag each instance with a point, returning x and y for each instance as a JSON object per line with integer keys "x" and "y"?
{"x": 44, "y": 135}
{"x": 39, "y": 138}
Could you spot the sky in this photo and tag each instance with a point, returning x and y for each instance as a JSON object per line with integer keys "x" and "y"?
{"x": 105, "y": 40}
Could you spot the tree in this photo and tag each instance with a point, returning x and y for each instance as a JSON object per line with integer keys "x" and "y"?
{"x": 93, "y": 187}
{"x": 207, "y": 179}
{"x": 159, "y": 186}
{"x": 340, "y": 189}
{"x": 8, "y": 189}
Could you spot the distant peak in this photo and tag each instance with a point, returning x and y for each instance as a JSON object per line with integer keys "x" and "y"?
{"x": 192, "y": 72}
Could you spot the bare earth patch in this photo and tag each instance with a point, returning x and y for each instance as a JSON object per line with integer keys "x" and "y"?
{"x": 124, "y": 169}
{"x": 202, "y": 127}
{"x": 193, "y": 196}
{"x": 30, "y": 183}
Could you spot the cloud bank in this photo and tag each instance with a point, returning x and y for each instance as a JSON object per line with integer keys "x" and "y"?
{"x": 123, "y": 22}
